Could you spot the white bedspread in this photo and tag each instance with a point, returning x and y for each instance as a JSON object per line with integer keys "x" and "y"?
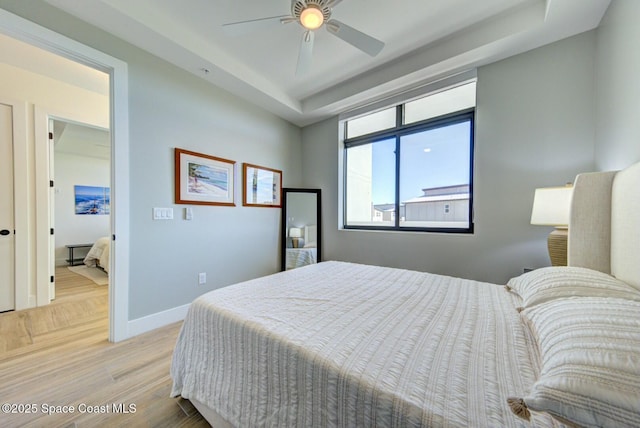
{"x": 340, "y": 344}
{"x": 298, "y": 257}
{"x": 99, "y": 253}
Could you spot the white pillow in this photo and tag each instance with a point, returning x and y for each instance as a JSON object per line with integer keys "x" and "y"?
{"x": 311, "y": 244}
{"x": 544, "y": 284}
{"x": 590, "y": 354}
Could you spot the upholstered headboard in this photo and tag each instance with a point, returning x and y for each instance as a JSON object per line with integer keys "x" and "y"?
{"x": 604, "y": 225}
{"x": 311, "y": 234}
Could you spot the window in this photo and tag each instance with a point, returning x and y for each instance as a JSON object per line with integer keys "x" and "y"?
{"x": 378, "y": 121}
{"x": 417, "y": 173}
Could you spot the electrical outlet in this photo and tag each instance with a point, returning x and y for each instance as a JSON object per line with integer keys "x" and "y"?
{"x": 202, "y": 278}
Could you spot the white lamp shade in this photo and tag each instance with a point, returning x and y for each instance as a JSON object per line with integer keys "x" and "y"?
{"x": 551, "y": 206}
{"x": 295, "y": 232}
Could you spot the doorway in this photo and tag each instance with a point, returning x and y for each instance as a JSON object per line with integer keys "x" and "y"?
{"x": 39, "y": 190}
{"x": 80, "y": 204}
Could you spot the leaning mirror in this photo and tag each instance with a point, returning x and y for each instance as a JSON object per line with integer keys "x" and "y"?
{"x": 301, "y": 227}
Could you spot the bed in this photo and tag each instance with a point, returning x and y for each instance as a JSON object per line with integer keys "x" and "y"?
{"x": 308, "y": 254}
{"x": 342, "y": 344}
{"x": 98, "y": 255}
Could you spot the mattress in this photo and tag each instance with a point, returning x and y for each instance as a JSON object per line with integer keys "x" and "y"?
{"x": 341, "y": 344}
{"x": 298, "y": 257}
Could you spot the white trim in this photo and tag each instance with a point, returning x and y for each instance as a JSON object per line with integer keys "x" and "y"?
{"x": 21, "y": 202}
{"x": 43, "y": 222}
{"x": 157, "y": 320}
{"x": 52, "y": 210}
{"x": 341, "y": 134}
{"x": 29, "y": 32}
{"x": 119, "y": 296}
{"x": 413, "y": 93}
{"x": 45, "y": 254}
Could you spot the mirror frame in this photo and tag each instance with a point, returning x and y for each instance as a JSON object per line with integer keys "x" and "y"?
{"x": 283, "y": 244}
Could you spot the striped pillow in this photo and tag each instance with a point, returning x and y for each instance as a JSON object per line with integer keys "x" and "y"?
{"x": 542, "y": 285}
{"x": 590, "y": 355}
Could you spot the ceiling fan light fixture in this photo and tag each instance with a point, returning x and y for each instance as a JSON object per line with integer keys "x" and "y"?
{"x": 311, "y": 18}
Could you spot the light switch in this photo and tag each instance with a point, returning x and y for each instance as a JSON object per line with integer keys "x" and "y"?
{"x": 163, "y": 213}
{"x": 188, "y": 213}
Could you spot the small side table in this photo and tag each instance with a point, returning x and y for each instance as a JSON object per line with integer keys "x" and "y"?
{"x": 74, "y": 261}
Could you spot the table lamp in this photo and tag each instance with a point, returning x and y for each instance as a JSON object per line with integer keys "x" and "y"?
{"x": 295, "y": 233}
{"x": 551, "y": 206}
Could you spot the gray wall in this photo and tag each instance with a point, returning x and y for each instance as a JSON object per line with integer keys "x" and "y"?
{"x": 230, "y": 244}
{"x": 169, "y": 108}
{"x": 534, "y": 128}
{"x": 618, "y": 86}
{"x": 538, "y": 124}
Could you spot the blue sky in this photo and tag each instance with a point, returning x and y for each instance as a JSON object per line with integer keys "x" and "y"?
{"x": 444, "y": 163}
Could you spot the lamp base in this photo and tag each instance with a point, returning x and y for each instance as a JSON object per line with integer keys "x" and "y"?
{"x": 295, "y": 242}
{"x": 557, "y": 245}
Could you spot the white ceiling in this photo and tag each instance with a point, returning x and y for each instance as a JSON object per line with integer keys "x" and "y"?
{"x": 80, "y": 139}
{"x": 425, "y": 40}
{"x": 39, "y": 61}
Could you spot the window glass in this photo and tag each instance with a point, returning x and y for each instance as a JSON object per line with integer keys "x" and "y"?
{"x": 434, "y": 177}
{"x": 374, "y": 122}
{"x": 371, "y": 184}
{"x": 456, "y": 99}
{"x": 412, "y": 176}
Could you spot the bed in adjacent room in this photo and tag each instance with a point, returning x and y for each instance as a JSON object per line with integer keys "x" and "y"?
{"x": 98, "y": 255}
{"x": 342, "y": 344}
{"x": 305, "y": 255}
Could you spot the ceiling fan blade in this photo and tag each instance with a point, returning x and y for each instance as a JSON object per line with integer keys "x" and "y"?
{"x": 306, "y": 49}
{"x": 245, "y": 27}
{"x": 364, "y": 42}
{"x": 333, "y": 3}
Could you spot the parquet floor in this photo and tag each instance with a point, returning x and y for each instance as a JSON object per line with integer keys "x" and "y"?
{"x": 58, "y": 355}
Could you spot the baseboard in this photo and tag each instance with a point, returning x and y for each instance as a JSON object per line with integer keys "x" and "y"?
{"x": 157, "y": 320}
{"x": 30, "y": 303}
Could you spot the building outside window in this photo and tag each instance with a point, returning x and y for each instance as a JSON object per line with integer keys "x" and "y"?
{"x": 410, "y": 166}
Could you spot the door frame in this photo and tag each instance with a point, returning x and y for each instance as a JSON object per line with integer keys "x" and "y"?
{"x": 44, "y": 156}
{"x": 34, "y": 34}
{"x": 22, "y": 296}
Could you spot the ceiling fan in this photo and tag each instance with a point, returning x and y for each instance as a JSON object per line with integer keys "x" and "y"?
{"x": 311, "y": 15}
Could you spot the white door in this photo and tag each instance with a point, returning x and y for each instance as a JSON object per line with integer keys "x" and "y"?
{"x": 7, "y": 240}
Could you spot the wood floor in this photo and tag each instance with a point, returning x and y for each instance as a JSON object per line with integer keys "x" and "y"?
{"x": 58, "y": 355}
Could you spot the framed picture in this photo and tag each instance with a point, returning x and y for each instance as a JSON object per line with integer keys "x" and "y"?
{"x": 203, "y": 180}
{"x": 262, "y": 187}
{"x": 92, "y": 200}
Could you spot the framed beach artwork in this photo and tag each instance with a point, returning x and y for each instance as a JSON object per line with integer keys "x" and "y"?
{"x": 92, "y": 200}
{"x": 203, "y": 179}
{"x": 261, "y": 187}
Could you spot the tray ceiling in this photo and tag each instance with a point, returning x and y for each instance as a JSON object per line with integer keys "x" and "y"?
{"x": 424, "y": 40}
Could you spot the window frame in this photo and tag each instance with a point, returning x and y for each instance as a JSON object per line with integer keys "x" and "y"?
{"x": 399, "y": 131}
